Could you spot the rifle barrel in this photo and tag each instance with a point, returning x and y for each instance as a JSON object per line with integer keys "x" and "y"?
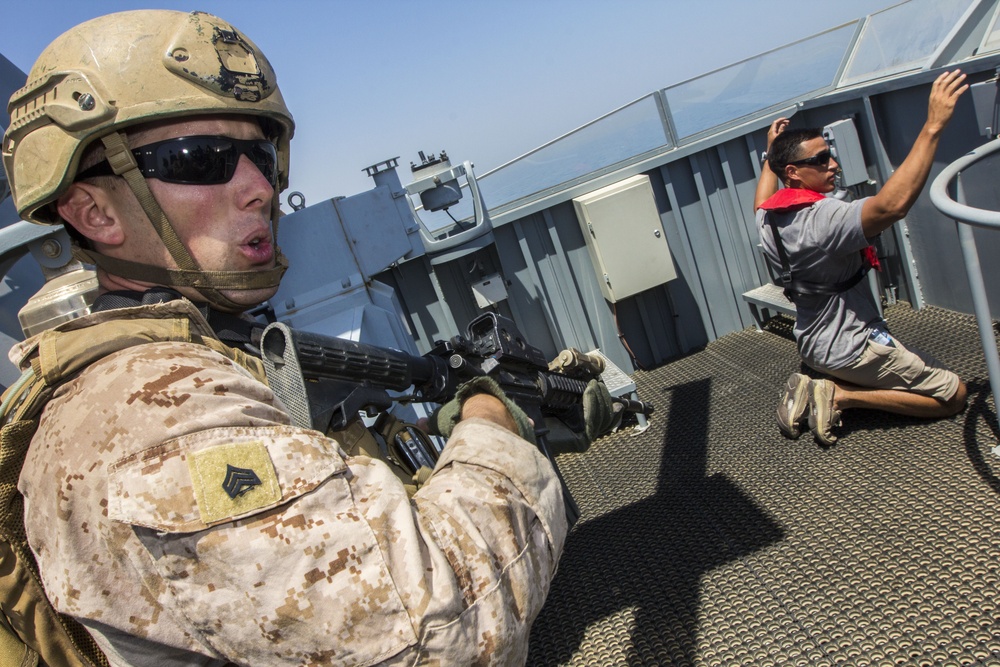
{"x": 328, "y": 357}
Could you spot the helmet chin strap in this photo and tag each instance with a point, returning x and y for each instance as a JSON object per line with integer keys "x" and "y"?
{"x": 188, "y": 274}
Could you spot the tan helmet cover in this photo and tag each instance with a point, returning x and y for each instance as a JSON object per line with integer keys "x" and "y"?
{"x": 121, "y": 70}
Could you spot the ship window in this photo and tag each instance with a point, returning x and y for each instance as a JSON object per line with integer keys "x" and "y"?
{"x": 992, "y": 40}
{"x": 902, "y": 38}
{"x": 626, "y": 133}
{"x": 788, "y": 73}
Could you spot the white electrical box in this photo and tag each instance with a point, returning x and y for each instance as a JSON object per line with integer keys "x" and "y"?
{"x": 845, "y": 146}
{"x": 625, "y": 238}
{"x": 489, "y": 291}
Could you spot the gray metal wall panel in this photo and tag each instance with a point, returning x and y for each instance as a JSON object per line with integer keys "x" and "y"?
{"x": 933, "y": 239}
{"x": 455, "y": 279}
{"x": 652, "y": 329}
{"x": 705, "y": 202}
{"x": 425, "y": 311}
{"x": 684, "y": 295}
{"x": 695, "y": 215}
{"x": 741, "y": 181}
{"x": 676, "y": 304}
{"x": 559, "y": 303}
{"x": 526, "y": 310}
{"x": 523, "y": 249}
{"x": 756, "y": 144}
{"x": 725, "y": 244}
{"x": 591, "y": 323}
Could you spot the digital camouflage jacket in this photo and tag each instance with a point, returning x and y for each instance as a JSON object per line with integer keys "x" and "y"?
{"x": 175, "y": 512}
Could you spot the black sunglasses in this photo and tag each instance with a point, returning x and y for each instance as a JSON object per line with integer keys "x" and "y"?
{"x": 197, "y": 160}
{"x": 819, "y": 160}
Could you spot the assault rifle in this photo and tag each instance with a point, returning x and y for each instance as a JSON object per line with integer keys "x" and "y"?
{"x": 326, "y": 381}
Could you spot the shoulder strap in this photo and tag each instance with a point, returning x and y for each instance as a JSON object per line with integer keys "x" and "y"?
{"x": 785, "y": 277}
{"x": 31, "y": 629}
{"x": 795, "y": 288}
{"x": 238, "y": 356}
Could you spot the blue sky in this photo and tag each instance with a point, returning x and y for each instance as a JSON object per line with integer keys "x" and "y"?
{"x": 485, "y": 80}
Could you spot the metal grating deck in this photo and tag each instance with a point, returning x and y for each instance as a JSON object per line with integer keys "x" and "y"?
{"x": 710, "y": 539}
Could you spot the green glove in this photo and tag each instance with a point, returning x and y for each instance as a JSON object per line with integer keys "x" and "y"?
{"x": 443, "y": 420}
{"x": 599, "y": 414}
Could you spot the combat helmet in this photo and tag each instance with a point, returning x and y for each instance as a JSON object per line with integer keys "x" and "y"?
{"x": 125, "y": 69}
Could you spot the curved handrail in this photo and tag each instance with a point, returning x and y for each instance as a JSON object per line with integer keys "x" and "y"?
{"x": 965, "y": 216}
{"x": 959, "y": 211}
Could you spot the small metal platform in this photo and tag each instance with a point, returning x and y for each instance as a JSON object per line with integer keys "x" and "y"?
{"x": 711, "y": 540}
{"x": 620, "y": 384}
{"x": 764, "y": 299}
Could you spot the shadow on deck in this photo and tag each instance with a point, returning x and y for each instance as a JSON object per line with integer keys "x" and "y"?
{"x": 712, "y": 540}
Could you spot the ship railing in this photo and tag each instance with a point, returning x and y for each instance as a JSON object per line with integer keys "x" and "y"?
{"x": 966, "y": 217}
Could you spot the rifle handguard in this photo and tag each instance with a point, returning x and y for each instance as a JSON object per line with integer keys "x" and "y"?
{"x": 599, "y": 414}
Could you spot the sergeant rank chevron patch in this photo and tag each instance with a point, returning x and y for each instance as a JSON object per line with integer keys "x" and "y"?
{"x": 239, "y": 481}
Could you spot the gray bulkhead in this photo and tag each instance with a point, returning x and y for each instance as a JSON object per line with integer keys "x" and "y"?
{"x": 701, "y": 175}
{"x": 703, "y": 187}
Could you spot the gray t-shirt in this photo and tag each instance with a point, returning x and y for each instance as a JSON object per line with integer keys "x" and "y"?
{"x": 823, "y": 242}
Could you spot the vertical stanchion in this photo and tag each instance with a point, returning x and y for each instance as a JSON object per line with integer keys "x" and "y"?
{"x": 980, "y": 302}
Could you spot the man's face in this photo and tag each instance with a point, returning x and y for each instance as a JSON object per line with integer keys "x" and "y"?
{"x": 225, "y": 227}
{"x": 816, "y": 177}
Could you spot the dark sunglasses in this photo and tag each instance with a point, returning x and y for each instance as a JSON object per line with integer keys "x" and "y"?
{"x": 819, "y": 160}
{"x": 197, "y": 160}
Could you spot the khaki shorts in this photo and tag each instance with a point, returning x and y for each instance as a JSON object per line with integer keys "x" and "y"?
{"x": 885, "y": 367}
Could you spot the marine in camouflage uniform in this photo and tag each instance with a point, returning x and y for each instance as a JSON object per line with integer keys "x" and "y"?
{"x": 328, "y": 561}
{"x": 171, "y": 506}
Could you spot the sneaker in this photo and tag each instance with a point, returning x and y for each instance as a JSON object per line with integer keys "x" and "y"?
{"x": 822, "y": 415}
{"x": 793, "y": 404}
